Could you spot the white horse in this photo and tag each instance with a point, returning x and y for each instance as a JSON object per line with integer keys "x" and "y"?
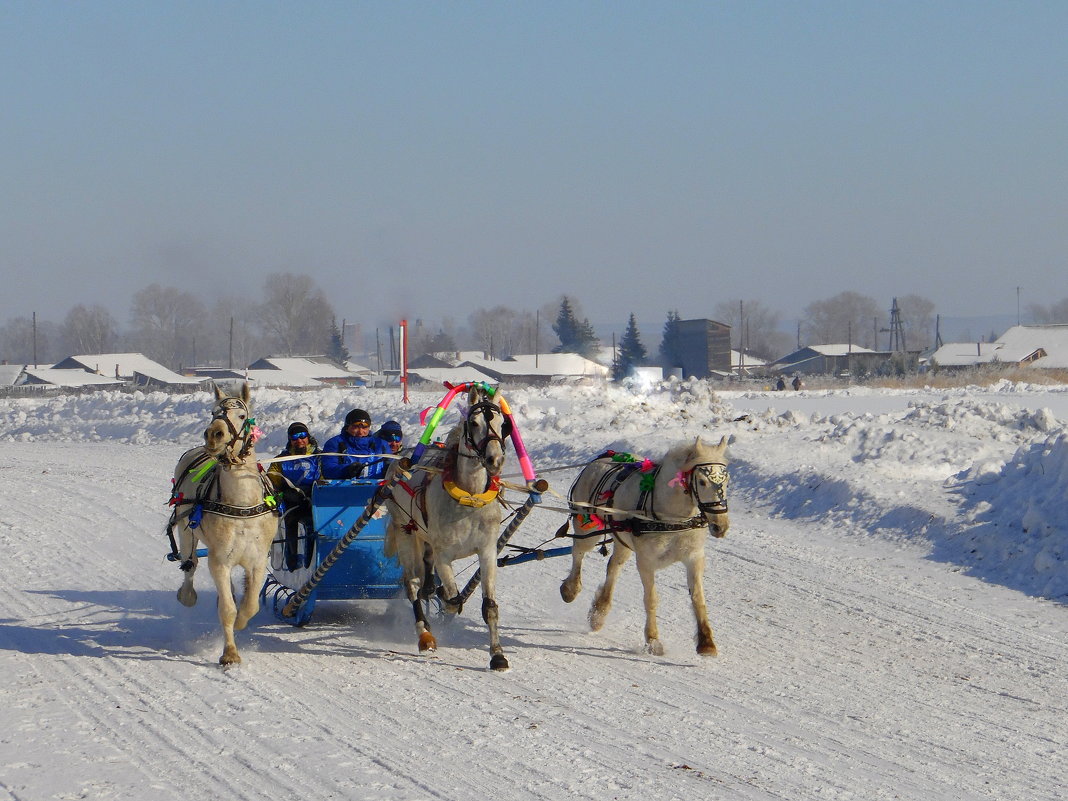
{"x": 221, "y": 497}
{"x": 662, "y": 512}
{"x": 436, "y": 519}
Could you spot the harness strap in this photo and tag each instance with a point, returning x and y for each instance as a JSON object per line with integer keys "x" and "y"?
{"x": 618, "y": 472}
{"x": 228, "y": 510}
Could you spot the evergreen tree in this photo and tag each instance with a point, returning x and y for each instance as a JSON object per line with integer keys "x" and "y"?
{"x": 565, "y": 326}
{"x": 631, "y": 350}
{"x": 669, "y": 342}
{"x": 337, "y": 350}
{"x": 575, "y": 337}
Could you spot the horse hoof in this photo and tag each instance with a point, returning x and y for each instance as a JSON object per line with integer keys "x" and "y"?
{"x": 597, "y": 618}
{"x": 654, "y": 647}
{"x": 568, "y": 593}
{"x": 227, "y": 660}
{"x": 707, "y": 649}
{"x": 187, "y": 598}
{"x": 498, "y": 662}
{"x": 427, "y": 642}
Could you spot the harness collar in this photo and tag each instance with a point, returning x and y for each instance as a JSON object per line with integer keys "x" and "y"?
{"x": 459, "y": 494}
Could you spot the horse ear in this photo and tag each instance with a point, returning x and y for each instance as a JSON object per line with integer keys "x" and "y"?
{"x": 724, "y": 442}
{"x": 246, "y": 393}
{"x": 219, "y": 394}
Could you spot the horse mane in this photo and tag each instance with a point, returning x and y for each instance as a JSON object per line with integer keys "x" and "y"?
{"x": 688, "y": 454}
{"x": 453, "y": 437}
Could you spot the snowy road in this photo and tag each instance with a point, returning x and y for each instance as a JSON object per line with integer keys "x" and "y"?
{"x": 851, "y": 667}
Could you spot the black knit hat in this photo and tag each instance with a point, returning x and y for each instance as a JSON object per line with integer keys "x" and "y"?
{"x": 295, "y": 427}
{"x": 357, "y": 416}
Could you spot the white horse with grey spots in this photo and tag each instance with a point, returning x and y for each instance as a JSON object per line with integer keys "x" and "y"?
{"x": 662, "y": 512}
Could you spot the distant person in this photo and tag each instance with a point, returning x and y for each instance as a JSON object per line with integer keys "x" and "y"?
{"x": 392, "y": 435}
{"x": 294, "y": 478}
{"x": 355, "y": 440}
{"x": 797, "y": 383}
{"x": 780, "y": 385}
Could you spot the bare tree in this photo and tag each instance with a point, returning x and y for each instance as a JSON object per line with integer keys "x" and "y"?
{"x": 917, "y": 318}
{"x": 19, "y": 342}
{"x": 755, "y": 326}
{"x": 229, "y": 336}
{"x": 1048, "y": 315}
{"x": 501, "y": 331}
{"x": 89, "y": 329}
{"x": 296, "y": 317}
{"x": 847, "y": 317}
{"x": 165, "y": 324}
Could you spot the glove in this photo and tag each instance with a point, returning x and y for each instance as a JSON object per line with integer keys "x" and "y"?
{"x": 353, "y": 471}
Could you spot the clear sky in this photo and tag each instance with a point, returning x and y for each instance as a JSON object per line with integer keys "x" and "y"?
{"x": 422, "y": 159}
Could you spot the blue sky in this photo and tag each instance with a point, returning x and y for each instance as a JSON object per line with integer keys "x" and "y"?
{"x": 424, "y": 159}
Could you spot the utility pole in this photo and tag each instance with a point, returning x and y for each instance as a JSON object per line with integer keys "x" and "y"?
{"x": 741, "y": 338}
{"x": 1017, "y": 305}
{"x": 896, "y": 330}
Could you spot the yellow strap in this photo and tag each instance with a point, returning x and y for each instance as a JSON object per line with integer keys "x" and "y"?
{"x": 465, "y": 498}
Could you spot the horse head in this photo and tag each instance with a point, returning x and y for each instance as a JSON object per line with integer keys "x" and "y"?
{"x": 704, "y": 476}
{"x": 483, "y": 430}
{"x": 232, "y": 432}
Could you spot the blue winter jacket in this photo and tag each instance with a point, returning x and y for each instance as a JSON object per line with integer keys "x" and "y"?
{"x": 335, "y": 466}
{"x": 302, "y": 473}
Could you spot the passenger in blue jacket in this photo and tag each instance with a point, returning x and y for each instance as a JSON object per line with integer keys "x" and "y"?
{"x": 294, "y": 478}
{"x": 356, "y": 439}
{"x": 298, "y": 473}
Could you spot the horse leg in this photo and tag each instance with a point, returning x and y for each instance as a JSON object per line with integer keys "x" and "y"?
{"x": 695, "y": 569}
{"x": 250, "y": 601}
{"x": 488, "y": 566}
{"x": 647, "y": 571}
{"x": 602, "y": 601}
{"x": 571, "y": 586}
{"x": 448, "y": 591}
{"x": 187, "y": 543}
{"x": 227, "y": 610}
{"x": 419, "y": 590}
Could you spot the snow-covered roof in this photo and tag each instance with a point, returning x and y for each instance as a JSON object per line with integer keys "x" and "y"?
{"x": 454, "y": 375}
{"x": 281, "y": 378}
{"x": 962, "y": 354}
{"x": 303, "y": 366}
{"x": 353, "y": 367}
{"x": 1022, "y": 341}
{"x": 839, "y": 349}
{"x": 72, "y": 377}
{"x": 123, "y": 365}
{"x": 750, "y": 360}
{"x": 1041, "y": 346}
{"x": 543, "y": 364}
{"x": 9, "y": 374}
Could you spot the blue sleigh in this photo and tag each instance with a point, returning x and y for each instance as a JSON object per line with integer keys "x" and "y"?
{"x": 360, "y": 571}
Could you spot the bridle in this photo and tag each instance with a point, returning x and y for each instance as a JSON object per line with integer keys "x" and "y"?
{"x": 487, "y": 409}
{"x": 715, "y": 473}
{"x": 243, "y": 435}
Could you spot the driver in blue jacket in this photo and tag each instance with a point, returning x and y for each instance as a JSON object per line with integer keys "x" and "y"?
{"x": 294, "y": 478}
{"x": 355, "y": 439}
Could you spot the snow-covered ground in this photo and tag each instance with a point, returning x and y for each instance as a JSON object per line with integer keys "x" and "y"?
{"x": 890, "y": 605}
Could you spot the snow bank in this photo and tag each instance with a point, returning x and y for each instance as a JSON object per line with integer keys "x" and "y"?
{"x": 980, "y": 474}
